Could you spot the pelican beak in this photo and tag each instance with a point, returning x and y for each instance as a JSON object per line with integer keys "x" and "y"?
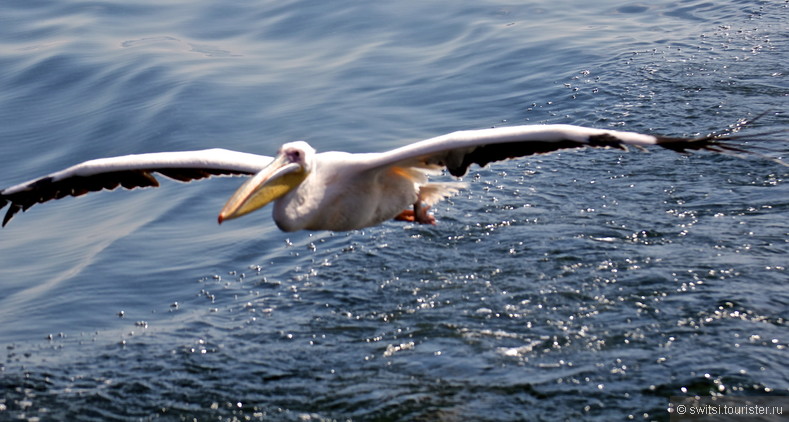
{"x": 271, "y": 183}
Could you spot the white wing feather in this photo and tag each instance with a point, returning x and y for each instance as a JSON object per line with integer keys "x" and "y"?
{"x": 207, "y": 159}
{"x": 450, "y": 149}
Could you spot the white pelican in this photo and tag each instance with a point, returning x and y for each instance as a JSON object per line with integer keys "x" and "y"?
{"x": 338, "y": 190}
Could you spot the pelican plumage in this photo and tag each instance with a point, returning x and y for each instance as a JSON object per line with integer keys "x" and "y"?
{"x": 342, "y": 191}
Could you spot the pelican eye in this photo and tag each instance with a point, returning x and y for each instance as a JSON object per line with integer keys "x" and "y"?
{"x": 294, "y": 155}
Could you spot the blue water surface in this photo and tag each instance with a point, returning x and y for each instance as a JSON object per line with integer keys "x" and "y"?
{"x": 577, "y": 285}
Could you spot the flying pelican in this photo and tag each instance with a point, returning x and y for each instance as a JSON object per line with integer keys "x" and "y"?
{"x": 337, "y": 190}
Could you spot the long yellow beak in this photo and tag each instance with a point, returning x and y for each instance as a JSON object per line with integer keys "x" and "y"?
{"x": 271, "y": 183}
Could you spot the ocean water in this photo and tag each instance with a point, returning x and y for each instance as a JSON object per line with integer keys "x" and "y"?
{"x": 584, "y": 285}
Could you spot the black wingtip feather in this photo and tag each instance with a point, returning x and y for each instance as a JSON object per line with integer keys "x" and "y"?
{"x": 12, "y": 210}
{"x": 720, "y": 141}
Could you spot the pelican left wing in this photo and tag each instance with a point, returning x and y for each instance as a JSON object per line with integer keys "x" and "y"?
{"x": 458, "y": 150}
{"x": 128, "y": 171}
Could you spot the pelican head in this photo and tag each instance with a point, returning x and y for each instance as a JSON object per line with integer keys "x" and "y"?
{"x": 292, "y": 165}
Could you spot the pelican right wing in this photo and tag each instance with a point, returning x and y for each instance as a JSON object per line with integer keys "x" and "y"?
{"x": 128, "y": 171}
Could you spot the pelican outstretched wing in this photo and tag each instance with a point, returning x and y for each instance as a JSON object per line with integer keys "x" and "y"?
{"x": 128, "y": 171}
{"x": 458, "y": 150}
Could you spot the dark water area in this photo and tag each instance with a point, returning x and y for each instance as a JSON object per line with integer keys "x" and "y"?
{"x": 588, "y": 285}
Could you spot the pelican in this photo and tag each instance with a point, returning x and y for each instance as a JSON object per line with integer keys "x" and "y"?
{"x": 340, "y": 191}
